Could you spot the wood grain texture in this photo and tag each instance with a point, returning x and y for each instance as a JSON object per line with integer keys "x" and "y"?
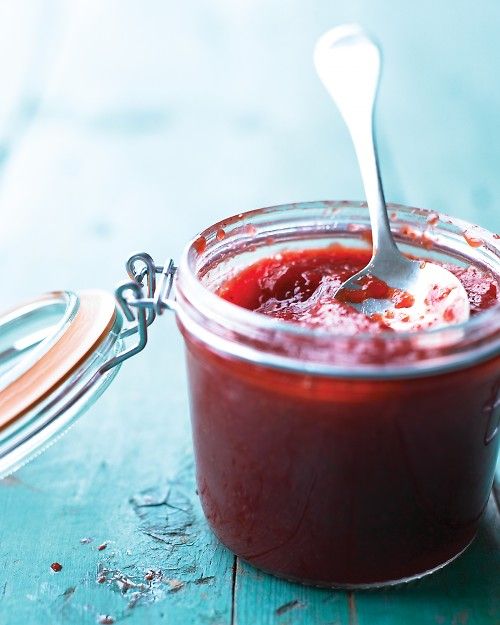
{"x": 261, "y": 598}
{"x": 128, "y": 126}
{"x": 119, "y": 487}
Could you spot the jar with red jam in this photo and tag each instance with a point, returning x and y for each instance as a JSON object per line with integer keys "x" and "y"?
{"x": 329, "y": 449}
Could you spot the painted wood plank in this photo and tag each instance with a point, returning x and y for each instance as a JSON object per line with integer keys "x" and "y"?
{"x": 267, "y": 600}
{"x": 123, "y": 477}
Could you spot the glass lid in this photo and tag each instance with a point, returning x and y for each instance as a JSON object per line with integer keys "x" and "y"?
{"x": 27, "y": 332}
{"x": 53, "y": 352}
{"x": 60, "y": 351}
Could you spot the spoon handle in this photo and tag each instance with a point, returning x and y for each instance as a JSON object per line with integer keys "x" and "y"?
{"x": 364, "y": 145}
{"x": 348, "y": 64}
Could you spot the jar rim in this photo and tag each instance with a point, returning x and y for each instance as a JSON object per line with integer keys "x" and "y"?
{"x": 219, "y": 309}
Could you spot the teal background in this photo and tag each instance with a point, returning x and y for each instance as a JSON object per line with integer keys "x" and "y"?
{"x": 132, "y": 125}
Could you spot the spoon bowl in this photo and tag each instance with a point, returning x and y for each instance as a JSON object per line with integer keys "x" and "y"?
{"x": 405, "y": 294}
{"x": 418, "y": 295}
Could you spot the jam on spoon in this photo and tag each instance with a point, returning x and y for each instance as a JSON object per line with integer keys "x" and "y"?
{"x": 348, "y": 63}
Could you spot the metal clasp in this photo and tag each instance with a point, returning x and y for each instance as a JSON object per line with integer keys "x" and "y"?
{"x": 141, "y": 299}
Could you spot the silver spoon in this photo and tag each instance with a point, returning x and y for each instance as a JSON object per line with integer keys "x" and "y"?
{"x": 422, "y": 294}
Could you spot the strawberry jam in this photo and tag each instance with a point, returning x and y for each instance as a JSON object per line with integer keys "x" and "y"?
{"x": 300, "y": 287}
{"x": 348, "y": 479}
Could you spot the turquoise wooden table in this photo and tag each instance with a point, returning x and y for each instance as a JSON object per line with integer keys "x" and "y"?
{"x": 126, "y": 126}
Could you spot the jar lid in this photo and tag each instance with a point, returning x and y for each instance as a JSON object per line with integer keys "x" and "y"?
{"x": 60, "y": 351}
{"x": 51, "y": 354}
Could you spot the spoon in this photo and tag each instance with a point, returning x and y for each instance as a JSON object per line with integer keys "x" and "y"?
{"x": 405, "y": 294}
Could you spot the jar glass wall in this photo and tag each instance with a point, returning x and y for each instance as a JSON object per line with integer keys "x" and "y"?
{"x": 329, "y": 459}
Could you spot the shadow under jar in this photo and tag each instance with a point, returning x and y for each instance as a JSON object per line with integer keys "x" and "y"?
{"x": 342, "y": 461}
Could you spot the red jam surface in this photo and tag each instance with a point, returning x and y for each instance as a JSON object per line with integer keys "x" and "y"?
{"x": 299, "y": 286}
{"x": 334, "y": 480}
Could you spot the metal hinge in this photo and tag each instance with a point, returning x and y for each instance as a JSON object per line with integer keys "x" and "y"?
{"x": 141, "y": 299}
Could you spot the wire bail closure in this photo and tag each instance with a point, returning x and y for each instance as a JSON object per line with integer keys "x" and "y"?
{"x": 142, "y": 303}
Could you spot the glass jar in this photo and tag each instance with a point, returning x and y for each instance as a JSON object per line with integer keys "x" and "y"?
{"x": 340, "y": 461}
{"x": 346, "y": 461}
